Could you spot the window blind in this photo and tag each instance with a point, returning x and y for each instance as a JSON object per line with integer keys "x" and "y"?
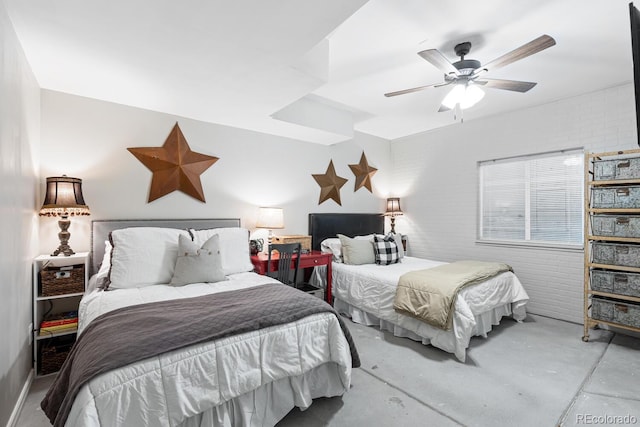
{"x": 536, "y": 198}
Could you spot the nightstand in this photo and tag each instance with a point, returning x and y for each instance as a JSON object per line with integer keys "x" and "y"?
{"x": 59, "y": 282}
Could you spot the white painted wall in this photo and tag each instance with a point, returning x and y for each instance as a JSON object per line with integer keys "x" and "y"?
{"x": 19, "y": 145}
{"x": 88, "y": 139}
{"x": 435, "y": 174}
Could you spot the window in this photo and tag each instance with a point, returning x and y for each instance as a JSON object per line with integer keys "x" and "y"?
{"x": 534, "y": 199}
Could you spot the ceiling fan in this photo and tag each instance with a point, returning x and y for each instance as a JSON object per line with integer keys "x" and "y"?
{"x": 465, "y": 74}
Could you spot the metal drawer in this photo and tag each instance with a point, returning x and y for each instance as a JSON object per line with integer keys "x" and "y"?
{"x": 606, "y": 170}
{"x": 627, "y": 255}
{"x": 627, "y": 197}
{"x": 610, "y": 310}
{"x": 615, "y": 225}
{"x": 616, "y": 282}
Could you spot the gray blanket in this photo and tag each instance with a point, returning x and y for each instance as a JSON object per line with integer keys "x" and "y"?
{"x": 134, "y": 333}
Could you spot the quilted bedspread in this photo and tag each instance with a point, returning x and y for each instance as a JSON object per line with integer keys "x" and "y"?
{"x": 182, "y": 374}
{"x": 430, "y": 294}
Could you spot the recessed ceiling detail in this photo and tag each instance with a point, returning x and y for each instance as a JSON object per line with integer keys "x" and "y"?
{"x": 309, "y": 112}
{"x": 253, "y": 70}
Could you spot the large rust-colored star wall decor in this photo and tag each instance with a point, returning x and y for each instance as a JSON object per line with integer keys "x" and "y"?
{"x": 174, "y": 166}
{"x": 330, "y": 184}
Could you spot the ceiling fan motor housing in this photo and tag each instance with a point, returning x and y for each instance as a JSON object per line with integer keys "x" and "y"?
{"x": 467, "y": 66}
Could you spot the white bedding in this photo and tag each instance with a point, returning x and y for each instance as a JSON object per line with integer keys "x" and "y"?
{"x": 366, "y": 294}
{"x": 252, "y": 379}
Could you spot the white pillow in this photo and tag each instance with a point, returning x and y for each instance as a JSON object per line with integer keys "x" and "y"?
{"x": 234, "y": 247}
{"x": 197, "y": 264}
{"x": 368, "y": 237}
{"x": 106, "y": 258}
{"x": 357, "y": 251}
{"x": 103, "y": 272}
{"x": 332, "y": 246}
{"x": 143, "y": 256}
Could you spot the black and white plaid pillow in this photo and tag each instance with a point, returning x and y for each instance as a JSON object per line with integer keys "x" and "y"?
{"x": 386, "y": 250}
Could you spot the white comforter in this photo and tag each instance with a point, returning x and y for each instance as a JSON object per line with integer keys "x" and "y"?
{"x": 249, "y": 379}
{"x": 366, "y": 293}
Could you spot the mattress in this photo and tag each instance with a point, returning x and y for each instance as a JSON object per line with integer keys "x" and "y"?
{"x": 252, "y": 379}
{"x": 366, "y": 293}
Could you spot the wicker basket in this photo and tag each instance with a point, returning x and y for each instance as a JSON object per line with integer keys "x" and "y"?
{"x": 62, "y": 280}
{"x": 305, "y": 241}
{"x": 52, "y": 357}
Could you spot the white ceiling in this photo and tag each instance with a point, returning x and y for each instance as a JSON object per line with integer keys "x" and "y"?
{"x": 316, "y": 70}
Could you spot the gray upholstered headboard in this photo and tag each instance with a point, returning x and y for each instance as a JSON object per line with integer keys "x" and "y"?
{"x": 100, "y": 230}
{"x": 325, "y": 225}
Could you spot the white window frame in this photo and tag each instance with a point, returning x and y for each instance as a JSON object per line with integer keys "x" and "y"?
{"x": 480, "y": 239}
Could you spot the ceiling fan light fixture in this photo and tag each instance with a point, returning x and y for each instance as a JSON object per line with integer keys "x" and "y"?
{"x": 454, "y": 96}
{"x": 467, "y": 95}
{"x": 472, "y": 95}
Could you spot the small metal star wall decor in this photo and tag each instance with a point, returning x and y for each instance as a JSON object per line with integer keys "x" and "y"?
{"x": 330, "y": 184}
{"x": 363, "y": 173}
{"x": 174, "y": 166}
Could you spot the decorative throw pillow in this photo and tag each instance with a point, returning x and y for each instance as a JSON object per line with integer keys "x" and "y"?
{"x": 234, "y": 247}
{"x": 356, "y": 251}
{"x": 386, "y": 250}
{"x": 197, "y": 264}
{"x": 143, "y": 256}
{"x": 397, "y": 237}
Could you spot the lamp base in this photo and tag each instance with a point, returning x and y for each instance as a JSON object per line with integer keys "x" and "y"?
{"x": 393, "y": 224}
{"x": 64, "y": 235}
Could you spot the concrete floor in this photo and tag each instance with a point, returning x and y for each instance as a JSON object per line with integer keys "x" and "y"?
{"x": 538, "y": 373}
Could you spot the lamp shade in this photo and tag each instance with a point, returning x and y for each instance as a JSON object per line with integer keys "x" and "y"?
{"x": 393, "y": 206}
{"x": 270, "y": 218}
{"x": 63, "y": 197}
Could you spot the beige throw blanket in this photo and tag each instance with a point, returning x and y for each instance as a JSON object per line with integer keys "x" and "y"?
{"x": 430, "y": 294}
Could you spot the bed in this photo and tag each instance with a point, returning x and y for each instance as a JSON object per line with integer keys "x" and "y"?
{"x": 250, "y": 370}
{"x": 366, "y": 293}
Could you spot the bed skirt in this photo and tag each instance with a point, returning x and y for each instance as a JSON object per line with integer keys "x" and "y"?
{"x": 484, "y": 322}
{"x": 270, "y": 403}
{"x": 264, "y": 406}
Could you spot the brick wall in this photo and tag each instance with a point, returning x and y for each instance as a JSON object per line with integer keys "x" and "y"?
{"x": 435, "y": 174}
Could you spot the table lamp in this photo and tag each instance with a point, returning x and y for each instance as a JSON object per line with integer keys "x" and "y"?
{"x": 270, "y": 218}
{"x": 63, "y": 198}
{"x": 393, "y": 210}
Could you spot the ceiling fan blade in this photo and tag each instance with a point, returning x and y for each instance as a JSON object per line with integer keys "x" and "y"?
{"x": 439, "y": 61}
{"x": 534, "y": 46}
{"x": 414, "y": 89}
{"x": 513, "y": 85}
